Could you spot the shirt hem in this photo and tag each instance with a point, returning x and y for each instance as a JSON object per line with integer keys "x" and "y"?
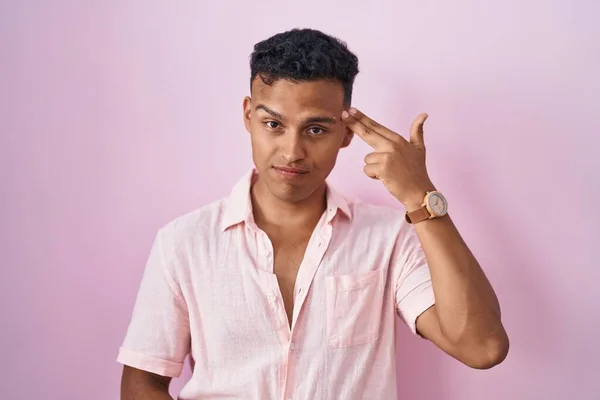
{"x": 150, "y": 364}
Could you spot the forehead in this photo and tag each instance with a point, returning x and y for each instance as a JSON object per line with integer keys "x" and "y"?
{"x": 293, "y": 97}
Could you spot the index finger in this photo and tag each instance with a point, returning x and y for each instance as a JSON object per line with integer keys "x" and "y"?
{"x": 366, "y": 132}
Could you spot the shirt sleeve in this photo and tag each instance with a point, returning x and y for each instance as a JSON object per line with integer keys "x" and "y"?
{"x": 413, "y": 288}
{"x": 158, "y": 336}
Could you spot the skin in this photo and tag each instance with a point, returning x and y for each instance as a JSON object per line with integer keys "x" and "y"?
{"x": 303, "y": 125}
{"x": 142, "y": 385}
{"x": 294, "y": 125}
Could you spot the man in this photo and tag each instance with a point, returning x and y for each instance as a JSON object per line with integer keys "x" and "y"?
{"x": 285, "y": 289}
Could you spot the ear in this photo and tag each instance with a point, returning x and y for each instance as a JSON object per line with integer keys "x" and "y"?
{"x": 348, "y": 135}
{"x": 247, "y": 109}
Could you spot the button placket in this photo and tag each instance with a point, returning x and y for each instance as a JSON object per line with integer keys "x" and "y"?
{"x": 305, "y": 280}
{"x": 267, "y": 250}
{"x": 278, "y": 314}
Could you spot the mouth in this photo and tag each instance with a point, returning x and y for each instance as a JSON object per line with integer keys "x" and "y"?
{"x": 290, "y": 171}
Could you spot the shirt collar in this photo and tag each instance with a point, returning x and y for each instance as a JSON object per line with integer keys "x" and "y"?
{"x": 238, "y": 207}
{"x": 335, "y": 202}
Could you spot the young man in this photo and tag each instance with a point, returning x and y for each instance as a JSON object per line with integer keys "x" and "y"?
{"x": 287, "y": 290}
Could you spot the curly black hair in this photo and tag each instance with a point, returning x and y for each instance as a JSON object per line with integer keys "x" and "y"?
{"x": 304, "y": 55}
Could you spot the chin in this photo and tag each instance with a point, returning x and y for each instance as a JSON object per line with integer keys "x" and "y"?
{"x": 290, "y": 192}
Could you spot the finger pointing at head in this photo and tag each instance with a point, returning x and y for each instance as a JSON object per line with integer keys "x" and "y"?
{"x": 376, "y": 135}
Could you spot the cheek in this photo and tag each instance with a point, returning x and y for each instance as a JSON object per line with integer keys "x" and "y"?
{"x": 326, "y": 152}
{"x": 262, "y": 145}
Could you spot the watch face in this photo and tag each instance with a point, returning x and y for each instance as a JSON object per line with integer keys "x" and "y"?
{"x": 438, "y": 204}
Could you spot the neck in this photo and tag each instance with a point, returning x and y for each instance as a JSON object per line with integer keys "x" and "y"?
{"x": 271, "y": 211}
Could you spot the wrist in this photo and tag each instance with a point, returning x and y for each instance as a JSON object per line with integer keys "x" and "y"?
{"x": 413, "y": 206}
{"x": 416, "y": 200}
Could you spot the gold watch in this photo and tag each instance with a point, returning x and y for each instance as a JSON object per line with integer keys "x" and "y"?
{"x": 434, "y": 205}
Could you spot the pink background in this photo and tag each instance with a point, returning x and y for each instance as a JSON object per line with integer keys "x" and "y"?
{"x": 117, "y": 116}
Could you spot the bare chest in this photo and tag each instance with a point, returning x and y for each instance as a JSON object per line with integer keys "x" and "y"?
{"x": 288, "y": 255}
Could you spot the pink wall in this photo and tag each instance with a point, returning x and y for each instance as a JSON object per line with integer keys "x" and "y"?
{"x": 118, "y": 116}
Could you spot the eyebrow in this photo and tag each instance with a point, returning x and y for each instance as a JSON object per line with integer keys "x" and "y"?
{"x": 309, "y": 120}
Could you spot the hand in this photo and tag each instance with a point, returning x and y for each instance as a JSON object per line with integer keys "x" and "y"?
{"x": 399, "y": 164}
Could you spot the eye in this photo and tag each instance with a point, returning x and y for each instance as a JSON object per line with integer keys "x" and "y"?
{"x": 316, "y": 131}
{"x": 272, "y": 124}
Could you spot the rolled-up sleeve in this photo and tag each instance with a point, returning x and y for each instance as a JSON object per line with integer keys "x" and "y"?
{"x": 413, "y": 291}
{"x": 158, "y": 336}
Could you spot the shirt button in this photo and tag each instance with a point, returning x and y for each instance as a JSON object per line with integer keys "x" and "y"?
{"x": 272, "y": 298}
{"x": 292, "y": 346}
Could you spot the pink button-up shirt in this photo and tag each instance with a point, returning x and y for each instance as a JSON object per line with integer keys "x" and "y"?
{"x": 209, "y": 291}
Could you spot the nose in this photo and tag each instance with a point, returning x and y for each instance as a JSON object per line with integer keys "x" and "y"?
{"x": 292, "y": 147}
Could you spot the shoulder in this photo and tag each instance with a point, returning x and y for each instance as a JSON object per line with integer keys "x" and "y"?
{"x": 188, "y": 231}
{"x": 381, "y": 224}
{"x": 386, "y": 228}
{"x": 378, "y": 216}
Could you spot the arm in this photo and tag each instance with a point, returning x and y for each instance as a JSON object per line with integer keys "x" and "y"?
{"x": 158, "y": 337}
{"x": 141, "y": 385}
{"x": 465, "y": 321}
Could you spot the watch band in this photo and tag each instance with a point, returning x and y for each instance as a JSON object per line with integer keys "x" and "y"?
{"x": 418, "y": 215}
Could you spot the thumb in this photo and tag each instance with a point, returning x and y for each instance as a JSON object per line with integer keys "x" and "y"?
{"x": 416, "y": 131}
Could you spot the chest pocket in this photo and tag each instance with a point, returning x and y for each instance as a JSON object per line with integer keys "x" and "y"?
{"x": 354, "y": 308}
